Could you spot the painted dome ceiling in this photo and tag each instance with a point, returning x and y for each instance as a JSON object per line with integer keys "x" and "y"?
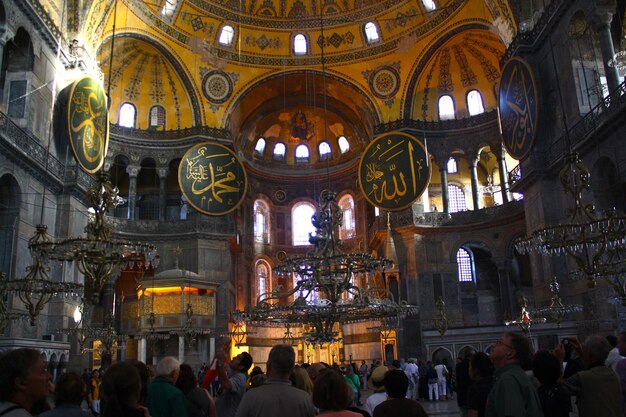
{"x": 166, "y": 53}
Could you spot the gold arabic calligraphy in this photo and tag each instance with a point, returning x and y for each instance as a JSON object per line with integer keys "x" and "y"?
{"x": 210, "y": 174}
{"x": 88, "y": 121}
{"x": 389, "y": 167}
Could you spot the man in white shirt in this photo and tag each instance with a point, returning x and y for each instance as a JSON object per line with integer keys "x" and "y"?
{"x": 614, "y": 356}
{"x": 412, "y": 373}
{"x": 442, "y": 373}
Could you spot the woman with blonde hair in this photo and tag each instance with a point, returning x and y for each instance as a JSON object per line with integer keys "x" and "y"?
{"x": 300, "y": 379}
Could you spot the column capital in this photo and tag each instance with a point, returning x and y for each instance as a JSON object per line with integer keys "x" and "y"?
{"x": 602, "y": 15}
{"x": 133, "y": 170}
{"x": 163, "y": 172}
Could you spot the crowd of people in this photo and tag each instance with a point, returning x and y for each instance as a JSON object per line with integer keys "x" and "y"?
{"x": 509, "y": 381}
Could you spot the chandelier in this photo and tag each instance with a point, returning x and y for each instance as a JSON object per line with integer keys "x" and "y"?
{"x": 326, "y": 293}
{"x": 524, "y": 320}
{"x": 441, "y": 316}
{"x": 557, "y": 310}
{"x": 597, "y": 245}
{"x": 189, "y": 331}
{"x": 98, "y": 255}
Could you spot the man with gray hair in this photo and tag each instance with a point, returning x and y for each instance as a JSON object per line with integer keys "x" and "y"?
{"x": 164, "y": 398}
{"x": 277, "y": 397}
{"x": 596, "y": 387}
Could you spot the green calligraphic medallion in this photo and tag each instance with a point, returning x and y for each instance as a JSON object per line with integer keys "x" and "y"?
{"x": 212, "y": 178}
{"x": 88, "y": 123}
{"x": 519, "y": 108}
{"x": 394, "y": 171}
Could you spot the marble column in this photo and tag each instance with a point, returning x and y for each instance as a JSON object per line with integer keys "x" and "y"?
{"x": 504, "y": 183}
{"x": 474, "y": 178}
{"x": 211, "y": 347}
{"x": 133, "y": 172}
{"x": 142, "y": 350}
{"x": 601, "y": 20}
{"x": 444, "y": 188}
{"x": 163, "y": 173}
{"x": 181, "y": 348}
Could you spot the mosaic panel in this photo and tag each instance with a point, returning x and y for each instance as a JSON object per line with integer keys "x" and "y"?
{"x": 217, "y": 86}
{"x": 402, "y": 19}
{"x": 134, "y": 83}
{"x": 172, "y": 84}
{"x": 263, "y": 42}
{"x": 445, "y": 78}
{"x": 491, "y": 72}
{"x": 384, "y": 82}
{"x": 468, "y": 77}
{"x": 157, "y": 94}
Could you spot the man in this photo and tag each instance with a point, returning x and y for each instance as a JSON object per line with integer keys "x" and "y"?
{"x": 513, "y": 394}
{"x": 232, "y": 378}
{"x": 377, "y": 384}
{"x": 620, "y": 368}
{"x": 597, "y": 387}
{"x": 463, "y": 382}
{"x": 614, "y": 355}
{"x": 164, "y": 398}
{"x": 442, "y": 379}
{"x": 412, "y": 373}
{"x": 24, "y": 381}
{"x": 277, "y": 397}
{"x": 396, "y": 405}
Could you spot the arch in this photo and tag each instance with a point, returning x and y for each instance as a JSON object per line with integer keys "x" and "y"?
{"x": 261, "y": 216}
{"x": 227, "y": 35}
{"x": 465, "y": 265}
{"x": 606, "y": 187}
{"x": 466, "y": 352}
{"x": 302, "y": 153}
{"x": 263, "y": 278}
{"x": 174, "y": 60}
{"x": 443, "y": 355}
{"x": 157, "y": 118}
{"x": 300, "y": 44}
{"x": 372, "y": 35}
{"x": 348, "y": 225}
{"x": 344, "y": 145}
{"x": 259, "y": 148}
{"x": 475, "y": 103}
{"x": 148, "y": 189}
{"x": 419, "y": 69}
{"x": 127, "y": 116}
{"x": 21, "y": 54}
{"x": 279, "y": 151}
{"x": 301, "y": 225}
{"x": 457, "y": 199}
{"x": 118, "y": 174}
{"x": 325, "y": 152}
{"x": 445, "y": 107}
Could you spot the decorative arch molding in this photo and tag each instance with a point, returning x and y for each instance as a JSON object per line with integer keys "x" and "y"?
{"x": 420, "y": 68}
{"x": 175, "y": 61}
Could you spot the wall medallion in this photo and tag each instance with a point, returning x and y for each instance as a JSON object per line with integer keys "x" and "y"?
{"x": 212, "y": 178}
{"x": 519, "y": 107}
{"x": 384, "y": 82}
{"x": 394, "y": 171}
{"x": 217, "y": 86}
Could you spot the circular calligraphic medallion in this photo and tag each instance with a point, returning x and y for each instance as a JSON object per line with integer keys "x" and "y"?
{"x": 519, "y": 108}
{"x": 88, "y": 123}
{"x": 384, "y": 82}
{"x": 217, "y": 86}
{"x": 394, "y": 171}
{"x": 212, "y": 178}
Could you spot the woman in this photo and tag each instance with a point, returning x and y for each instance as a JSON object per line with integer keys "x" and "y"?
{"x": 547, "y": 369}
{"x": 353, "y": 380}
{"x": 69, "y": 393}
{"x": 332, "y": 395}
{"x": 94, "y": 392}
{"x": 199, "y": 401}
{"x": 481, "y": 372}
{"x": 120, "y": 388}
{"x": 300, "y": 379}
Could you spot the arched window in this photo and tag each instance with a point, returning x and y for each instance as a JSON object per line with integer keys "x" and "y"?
{"x": 371, "y": 32}
{"x": 348, "y": 227}
{"x": 302, "y": 153}
{"x": 127, "y": 115}
{"x": 301, "y": 224}
{"x": 279, "y": 151}
{"x": 452, "y": 166}
{"x": 261, "y": 222}
{"x": 446, "y": 108}
{"x": 324, "y": 150}
{"x": 344, "y": 145}
{"x": 226, "y": 35}
{"x": 456, "y": 198}
{"x": 299, "y": 45}
{"x": 465, "y": 265}
{"x": 429, "y": 5}
{"x": 475, "y": 103}
{"x": 263, "y": 278}
{"x": 157, "y": 117}
{"x": 259, "y": 148}
{"x": 169, "y": 7}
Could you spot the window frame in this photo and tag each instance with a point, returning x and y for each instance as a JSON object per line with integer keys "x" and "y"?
{"x": 465, "y": 269}
{"x": 298, "y": 230}
{"x": 120, "y": 115}
{"x": 300, "y": 38}
{"x": 230, "y": 41}
{"x": 368, "y": 27}
{"x": 480, "y": 101}
{"x": 451, "y": 116}
{"x": 277, "y": 156}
